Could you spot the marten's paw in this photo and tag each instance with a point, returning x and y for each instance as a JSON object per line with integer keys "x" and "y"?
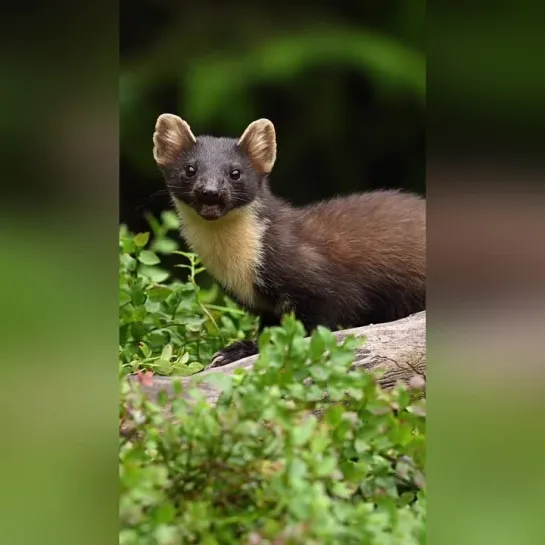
{"x": 233, "y": 352}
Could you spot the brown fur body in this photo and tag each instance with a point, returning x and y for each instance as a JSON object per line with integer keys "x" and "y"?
{"x": 345, "y": 262}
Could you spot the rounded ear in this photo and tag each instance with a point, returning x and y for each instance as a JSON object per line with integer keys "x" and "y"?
{"x": 172, "y": 136}
{"x": 259, "y": 142}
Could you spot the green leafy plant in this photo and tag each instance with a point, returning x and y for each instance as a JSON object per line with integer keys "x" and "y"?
{"x": 261, "y": 467}
{"x": 170, "y": 326}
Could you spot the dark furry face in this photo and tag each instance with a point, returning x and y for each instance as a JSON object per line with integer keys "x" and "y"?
{"x": 214, "y": 177}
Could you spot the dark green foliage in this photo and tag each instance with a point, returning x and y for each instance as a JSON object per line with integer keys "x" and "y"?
{"x": 301, "y": 450}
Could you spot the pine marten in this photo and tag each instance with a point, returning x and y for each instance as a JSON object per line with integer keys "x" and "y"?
{"x": 346, "y": 262}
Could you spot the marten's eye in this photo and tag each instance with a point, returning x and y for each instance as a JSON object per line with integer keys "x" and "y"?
{"x": 234, "y": 174}
{"x": 190, "y": 171}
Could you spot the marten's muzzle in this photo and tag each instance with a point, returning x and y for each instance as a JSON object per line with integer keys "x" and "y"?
{"x": 210, "y": 199}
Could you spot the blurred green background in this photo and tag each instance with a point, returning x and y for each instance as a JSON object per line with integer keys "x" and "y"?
{"x": 344, "y": 85}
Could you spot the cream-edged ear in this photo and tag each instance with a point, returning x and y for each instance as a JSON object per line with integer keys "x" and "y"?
{"x": 259, "y": 142}
{"x": 172, "y": 136}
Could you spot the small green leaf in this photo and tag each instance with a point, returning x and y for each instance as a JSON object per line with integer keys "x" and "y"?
{"x": 195, "y": 367}
{"x": 318, "y": 443}
{"x": 326, "y": 336}
{"x": 326, "y": 466}
{"x": 297, "y": 470}
{"x": 165, "y": 246}
{"x": 145, "y": 349}
{"x": 141, "y": 239}
{"x": 194, "y": 323}
{"x": 153, "y": 307}
{"x": 154, "y": 274}
{"x": 334, "y": 415}
{"x": 177, "y": 387}
{"x": 341, "y": 490}
{"x": 148, "y": 258}
{"x": 317, "y": 346}
{"x": 166, "y": 354}
{"x": 355, "y": 393}
{"x": 159, "y": 293}
{"x": 406, "y": 498}
{"x": 165, "y": 513}
{"x": 170, "y": 220}
{"x": 361, "y": 446}
{"x": 335, "y": 393}
{"x": 138, "y": 296}
{"x": 139, "y": 314}
{"x": 156, "y": 227}
{"x": 319, "y": 372}
{"x": 128, "y": 262}
{"x": 124, "y": 298}
{"x": 166, "y": 535}
{"x": 183, "y": 370}
{"x": 164, "y": 367}
{"x": 128, "y": 245}
{"x": 301, "y": 434}
{"x": 184, "y": 358}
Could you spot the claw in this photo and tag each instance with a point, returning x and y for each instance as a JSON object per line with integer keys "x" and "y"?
{"x": 232, "y": 353}
{"x": 216, "y": 361}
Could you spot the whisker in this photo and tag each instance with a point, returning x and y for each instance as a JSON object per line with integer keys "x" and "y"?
{"x": 153, "y": 197}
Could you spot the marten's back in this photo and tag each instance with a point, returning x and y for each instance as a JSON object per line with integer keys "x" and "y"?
{"x": 370, "y": 232}
{"x": 353, "y": 260}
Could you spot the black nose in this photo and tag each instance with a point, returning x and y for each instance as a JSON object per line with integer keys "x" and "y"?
{"x": 209, "y": 195}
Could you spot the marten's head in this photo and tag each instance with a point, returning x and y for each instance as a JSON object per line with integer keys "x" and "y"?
{"x": 213, "y": 175}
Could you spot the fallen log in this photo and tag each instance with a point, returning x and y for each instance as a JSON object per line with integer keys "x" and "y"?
{"x": 397, "y": 349}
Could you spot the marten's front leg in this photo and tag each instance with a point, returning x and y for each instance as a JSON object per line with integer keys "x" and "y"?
{"x": 242, "y": 349}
